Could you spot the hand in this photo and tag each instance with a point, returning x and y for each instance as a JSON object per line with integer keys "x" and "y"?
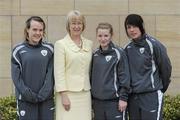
{"x": 65, "y": 101}
{"x": 122, "y": 105}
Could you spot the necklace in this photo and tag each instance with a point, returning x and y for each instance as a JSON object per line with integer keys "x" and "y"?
{"x": 80, "y": 44}
{"x": 77, "y": 41}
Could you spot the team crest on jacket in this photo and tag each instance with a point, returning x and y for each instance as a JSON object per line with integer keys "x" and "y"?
{"x": 44, "y": 52}
{"x": 22, "y": 112}
{"x": 108, "y": 58}
{"x": 141, "y": 50}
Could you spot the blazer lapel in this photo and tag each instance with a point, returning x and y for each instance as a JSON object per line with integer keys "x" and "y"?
{"x": 71, "y": 44}
{"x": 74, "y": 47}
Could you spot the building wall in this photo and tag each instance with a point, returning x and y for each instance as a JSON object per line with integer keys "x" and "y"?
{"x": 161, "y": 17}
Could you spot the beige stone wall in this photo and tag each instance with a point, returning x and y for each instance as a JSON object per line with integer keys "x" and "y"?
{"x": 162, "y": 20}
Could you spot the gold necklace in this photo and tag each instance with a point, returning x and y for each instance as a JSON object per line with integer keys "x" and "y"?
{"x": 80, "y": 44}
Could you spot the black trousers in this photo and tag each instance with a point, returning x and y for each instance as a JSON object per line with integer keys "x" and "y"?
{"x": 145, "y": 106}
{"x": 39, "y": 111}
{"x": 107, "y": 110}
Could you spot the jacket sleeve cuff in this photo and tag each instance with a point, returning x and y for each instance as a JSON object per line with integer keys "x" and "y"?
{"x": 123, "y": 95}
{"x": 60, "y": 88}
{"x": 123, "y": 98}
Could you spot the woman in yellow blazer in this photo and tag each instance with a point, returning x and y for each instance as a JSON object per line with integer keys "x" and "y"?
{"x": 72, "y": 58}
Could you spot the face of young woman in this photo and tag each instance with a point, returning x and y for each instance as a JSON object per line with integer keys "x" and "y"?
{"x": 104, "y": 37}
{"x": 76, "y": 27}
{"x": 133, "y": 32}
{"x": 35, "y": 32}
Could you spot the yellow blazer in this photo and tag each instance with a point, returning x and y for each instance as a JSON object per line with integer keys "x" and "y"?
{"x": 72, "y": 65}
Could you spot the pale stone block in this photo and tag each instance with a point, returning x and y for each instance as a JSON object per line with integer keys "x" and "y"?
{"x": 9, "y": 7}
{"x": 174, "y": 58}
{"x": 56, "y": 28}
{"x": 18, "y": 25}
{"x": 173, "y": 88}
{"x": 154, "y": 6}
{"x": 102, "y": 7}
{"x": 6, "y": 87}
{"x": 46, "y": 7}
{"x": 93, "y": 21}
{"x": 168, "y": 30}
{"x": 5, "y": 46}
{"x": 123, "y": 37}
{"x": 150, "y": 25}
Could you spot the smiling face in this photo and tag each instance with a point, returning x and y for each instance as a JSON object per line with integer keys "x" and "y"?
{"x": 104, "y": 38}
{"x": 133, "y": 32}
{"x": 76, "y": 26}
{"x": 35, "y": 32}
{"x": 75, "y": 23}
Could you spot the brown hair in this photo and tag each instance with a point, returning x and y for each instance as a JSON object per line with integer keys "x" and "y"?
{"x": 28, "y": 25}
{"x": 105, "y": 26}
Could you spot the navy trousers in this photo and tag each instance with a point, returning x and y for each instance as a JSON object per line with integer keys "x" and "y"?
{"x": 145, "y": 106}
{"x": 39, "y": 111}
{"x": 107, "y": 110}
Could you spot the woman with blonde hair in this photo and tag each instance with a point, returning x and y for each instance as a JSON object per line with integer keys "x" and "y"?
{"x": 71, "y": 68}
